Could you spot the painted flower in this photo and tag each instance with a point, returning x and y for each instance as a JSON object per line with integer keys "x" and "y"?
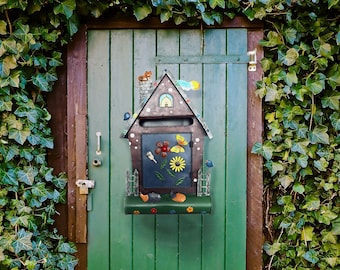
{"x": 190, "y": 209}
{"x": 136, "y": 212}
{"x": 177, "y": 164}
{"x": 162, "y": 148}
{"x": 153, "y": 210}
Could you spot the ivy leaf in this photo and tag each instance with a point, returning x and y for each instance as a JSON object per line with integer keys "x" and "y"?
{"x": 336, "y": 226}
{"x": 66, "y": 7}
{"x": 67, "y": 248}
{"x": 22, "y": 208}
{"x": 326, "y": 216}
{"x": 290, "y": 34}
{"x": 12, "y": 152}
{"x": 307, "y": 233}
{"x": 271, "y": 249}
{"x": 165, "y": 16}
{"x": 142, "y": 12}
{"x": 9, "y": 177}
{"x": 302, "y": 160}
{"x": 289, "y": 58}
{"x": 21, "y": 4}
{"x": 312, "y": 203}
{"x": 266, "y": 150}
{"x": 60, "y": 181}
{"x": 3, "y": 27}
{"x": 291, "y": 78}
{"x": 286, "y": 180}
{"x": 72, "y": 25}
{"x": 274, "y": 167}
{"x": 31, "y": 114}
{"x": 22, "y": 32}
{"x": 272, "y": 93}
{"x": 40, "y": 81}
{"x": 334, "y": 75}
{"x": 311, "y": 256}
{"x": 299, "y": 188}
{"x": 8, "y": 63}
{"x": 14, "y": 78}
{"x": 40, "y": 191}
{"x": 5, "y": 105}
{"x": 67, "y": 262}
{"x": 321, "y": 164}
{"x": 300, "y": 92}
{"x": 27, "y": 175}
{"x": 23, "y": 241}
{"x": 273, "y": 39}
{"x": 19, "y": 136}
{"x": 331, "y": 101}
{"x": 300, "y": 147}
{"x": 215, "y": 3}
{"x": 207, "y": 18}
{"x": 319, "y": 135}
{"x": 10, "y": 46}
{"x": 315, "y": 86}
{"x": 335, "y": 120}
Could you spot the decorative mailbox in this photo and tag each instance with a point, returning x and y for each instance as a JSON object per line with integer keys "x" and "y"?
{"x": 166, "y": 139}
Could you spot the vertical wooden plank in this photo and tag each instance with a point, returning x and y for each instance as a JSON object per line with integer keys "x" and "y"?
{"x": 254, "y": 167}
{"x": 236, "y": 152}
{"x": 57, "y": 157}
{"x": 167, "y": 225}
{"x": 214, "y": 113}
{"x": 98, "y": 117}
{"x": 81, "y": 154}
{"x": 190, "y": 227}
{"x": 76, "y": 106}
{"x": 143, "y": 230}
{"x": 167, "y": 45}
{"x": 121, "y": 75}
{"x": 191, "y": 44}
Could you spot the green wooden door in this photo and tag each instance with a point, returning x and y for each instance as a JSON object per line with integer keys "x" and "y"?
{"x": 167, "y": 242}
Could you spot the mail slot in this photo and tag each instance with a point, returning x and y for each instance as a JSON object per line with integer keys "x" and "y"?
{"x": 166, "y": 139}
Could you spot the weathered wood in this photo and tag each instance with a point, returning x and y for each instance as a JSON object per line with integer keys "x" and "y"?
{"x": 254, "y": 164}
{"x": 81, "y": 161}
{"x": 76, "y": 166}
{"x": 57, "y": 157}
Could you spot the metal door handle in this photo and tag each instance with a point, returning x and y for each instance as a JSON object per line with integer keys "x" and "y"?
{"x": 98, "y": 151}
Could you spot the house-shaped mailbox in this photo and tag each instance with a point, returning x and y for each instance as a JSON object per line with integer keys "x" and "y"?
{"x": 166, "y": 139}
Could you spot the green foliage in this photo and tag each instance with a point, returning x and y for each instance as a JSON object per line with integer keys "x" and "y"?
{"x": 301, "y": 144}
{"x": 300, "y": 89}
{"x": 32, "y": 33}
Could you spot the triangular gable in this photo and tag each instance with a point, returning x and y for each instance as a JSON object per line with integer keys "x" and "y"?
{"x": 168, "y": 100}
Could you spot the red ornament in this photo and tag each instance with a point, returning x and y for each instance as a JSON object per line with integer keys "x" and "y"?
{"x": 162, "y": 148}
{"x": 153, "y": 210}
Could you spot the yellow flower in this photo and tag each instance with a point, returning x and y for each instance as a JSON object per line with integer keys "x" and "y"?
{"x": 136, "y": 212}
{"x": 190, "y": 209}
{"x": 177, "y": 164}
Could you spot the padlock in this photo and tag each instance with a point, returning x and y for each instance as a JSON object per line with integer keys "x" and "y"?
{"x": 83, "y": 189}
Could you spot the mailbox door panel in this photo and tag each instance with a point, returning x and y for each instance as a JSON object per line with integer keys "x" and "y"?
{"x": 167, "y": 242}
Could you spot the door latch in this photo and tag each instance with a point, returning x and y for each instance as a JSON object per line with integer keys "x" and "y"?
{"x": 84, "y": 186}
{"x": 252, "y": 60}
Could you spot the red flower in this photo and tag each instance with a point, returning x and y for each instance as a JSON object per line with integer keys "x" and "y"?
{"x": 162, "y": 148}
{"x": 153, "y": 210}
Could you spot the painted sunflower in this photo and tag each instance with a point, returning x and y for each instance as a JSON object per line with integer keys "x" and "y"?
{"x": 177, "y": 164}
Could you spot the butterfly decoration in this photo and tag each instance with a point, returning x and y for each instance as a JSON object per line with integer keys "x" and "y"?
{"x": 181, "y": 142}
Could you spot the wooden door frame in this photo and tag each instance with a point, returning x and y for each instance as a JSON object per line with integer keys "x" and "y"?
{"x": 70, "y": 153}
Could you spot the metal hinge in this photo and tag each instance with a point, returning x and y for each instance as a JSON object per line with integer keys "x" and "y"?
{"x": 252, "y": 60}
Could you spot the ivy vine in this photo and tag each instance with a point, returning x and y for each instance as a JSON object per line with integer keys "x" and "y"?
{"x": 300, "y": 89}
